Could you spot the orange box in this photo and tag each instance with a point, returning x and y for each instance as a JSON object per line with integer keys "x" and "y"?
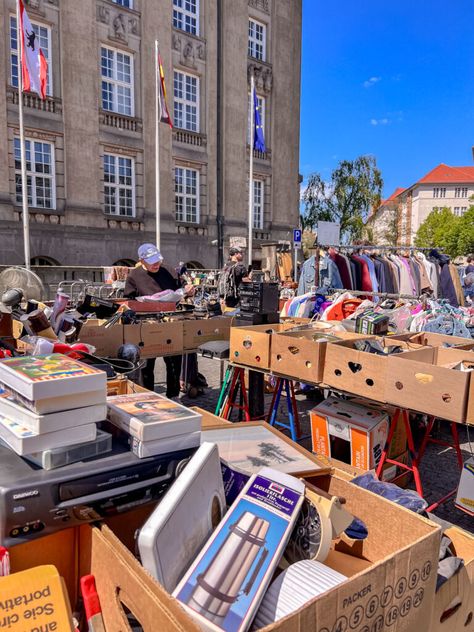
{"x": 349, "y": 432}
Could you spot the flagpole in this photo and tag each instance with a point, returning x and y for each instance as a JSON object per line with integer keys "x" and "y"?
{"x": 24, "y": 187}
{"x": 252, "y": 142}
{"x": 157, "y": 148}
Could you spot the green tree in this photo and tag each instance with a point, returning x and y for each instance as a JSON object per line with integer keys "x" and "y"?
{"x": 355, "y": 187}
{"x": 442, "y": 229}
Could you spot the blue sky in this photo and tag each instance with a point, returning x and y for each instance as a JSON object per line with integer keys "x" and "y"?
{"x": 395, "y": 80}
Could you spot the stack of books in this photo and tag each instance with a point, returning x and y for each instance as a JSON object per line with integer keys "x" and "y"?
{"x": 49, "y": 402}
{"x": 153, "y": 424}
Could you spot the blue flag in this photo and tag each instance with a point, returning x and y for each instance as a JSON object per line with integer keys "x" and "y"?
{"x": 258, "y": 137}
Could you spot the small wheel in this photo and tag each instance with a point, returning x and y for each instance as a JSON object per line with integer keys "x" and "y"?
{"x": 193, "y": 392}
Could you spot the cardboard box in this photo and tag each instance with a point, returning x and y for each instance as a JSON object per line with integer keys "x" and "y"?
{"x": 391, "y": 585}
{"x": 453, "y": 606}
{"x": 349, "y": 432}
{"x": 154, "y": 339}
{"x": 299, "y": 355}
{"x": 250, "y": 346}
{"x": 432, "y": 387}
{"x": 465, "y": 496}
{"x": 362, "y": 373}
{"x": 429, "y": 339}
{"x": 197, "y": 332}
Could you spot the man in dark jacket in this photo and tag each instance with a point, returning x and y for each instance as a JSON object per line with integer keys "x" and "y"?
{"x": 149, "y": 278}
{"x": 236, "y": 272}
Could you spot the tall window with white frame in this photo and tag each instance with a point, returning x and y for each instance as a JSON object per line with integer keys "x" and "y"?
{"x": 186, "y": 187}
{"x": 117, "y": 81}
{"x": 261, "y": 109}
{"x": 186, "y": 101}
{"x": 186, "y": 16}
{"x": 43, "y": 33}
{"x": 258, "y": 204}
{"x": 40, "y": 174}
{"x": 257, "y": 40}
{"x": 119, "y": 185}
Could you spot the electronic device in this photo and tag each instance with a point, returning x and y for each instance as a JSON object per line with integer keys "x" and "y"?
{"x": 185, "y": 518}
{"x": 35, "y": 502}
{"x": 245, "y": 319}
{"x": 258, "y": 297}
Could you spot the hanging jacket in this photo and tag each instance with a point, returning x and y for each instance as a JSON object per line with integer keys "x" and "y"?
{"x": 329, "y": 276}
{"x": 447, "y": 286}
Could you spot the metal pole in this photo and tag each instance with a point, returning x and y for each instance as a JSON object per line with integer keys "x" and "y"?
{"x": 157, "y": 147}
{"x": 252, "y": 140}
{"x": 295, "y": 272}
{"x": 24, "y": 187}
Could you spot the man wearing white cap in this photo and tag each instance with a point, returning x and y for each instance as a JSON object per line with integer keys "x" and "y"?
{"x": 149, "y": 278}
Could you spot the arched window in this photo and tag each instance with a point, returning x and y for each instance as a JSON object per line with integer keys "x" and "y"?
{"x": 44, "y": 261}
{"x": 128, "y": 263}
{"x": 194, "y": 265}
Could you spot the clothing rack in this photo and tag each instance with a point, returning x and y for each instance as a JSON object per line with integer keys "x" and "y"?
{"x": 381, "y": 294}
{"x": 388, "y": 248}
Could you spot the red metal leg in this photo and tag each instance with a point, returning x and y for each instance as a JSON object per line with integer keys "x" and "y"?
{"x": 383, "y": 458}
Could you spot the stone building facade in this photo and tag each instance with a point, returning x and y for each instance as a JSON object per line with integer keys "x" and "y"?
{"x": 91, "y": 143}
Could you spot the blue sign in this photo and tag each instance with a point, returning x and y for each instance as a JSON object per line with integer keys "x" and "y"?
{"x": 297, "y": 235}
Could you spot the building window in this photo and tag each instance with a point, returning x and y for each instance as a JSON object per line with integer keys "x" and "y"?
{"x": 460, "y": 210}
{"x": 119, "y": 185}
{"x": 186, "y": 187}
{"x": 124, "y": 3}
{"x": 261, "y": 109}
{"x": 257, "y": 37}
{"x": 439, "y": 192}
{"x": 258, "y": 204}
{"x": 43, "y": 33}
{"x": 39, "y": 173}
{"x": 186, "y": 101}
{"x": 117, "y": 81}
{"x": 186, "y": 16}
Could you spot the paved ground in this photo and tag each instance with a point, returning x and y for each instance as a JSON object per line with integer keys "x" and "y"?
{"x": 439, "y": 469}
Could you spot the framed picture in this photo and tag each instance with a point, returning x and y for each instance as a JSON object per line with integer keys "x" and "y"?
{"x": 249, "y": 446}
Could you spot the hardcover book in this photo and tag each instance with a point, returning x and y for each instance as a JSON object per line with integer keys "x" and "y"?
{"x": 149, "y": 416}
{"x": 40, "y": 424}
{"x": 49, "y": 376}
{"x": 24, "y": 441}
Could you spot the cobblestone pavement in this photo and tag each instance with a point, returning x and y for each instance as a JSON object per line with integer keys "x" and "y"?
{"x": 439, "y": 470}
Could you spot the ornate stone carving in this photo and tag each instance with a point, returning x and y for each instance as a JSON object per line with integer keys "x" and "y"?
{"x": 263, "y": 77}
{"x": 201, "y": 52}
{"x": 119, "y": 27}
{"x": 54, "y": 219}
{"x": 124, "y": 225}
{"x": 103, "y": 14}
{"x": 39, "y": 218}
{"x": 189, "y": 57}
{"x": 112, "y": 223}
{"x": 133, "y": 26}
{"x": 263, "y": 5}
{"x": 136, "y": 225}
{"x": 176, "y": 41}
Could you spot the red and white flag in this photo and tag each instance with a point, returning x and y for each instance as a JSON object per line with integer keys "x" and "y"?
{"x": 165, "y": 116}
{"x": 34, "y": 68}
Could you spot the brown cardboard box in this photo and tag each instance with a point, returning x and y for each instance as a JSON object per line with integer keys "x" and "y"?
{"x": 197, "y": 332}
{"x": 429, "y": 339}
{"x": 152, "y": 337}
{"x": 391, "y": 585}
{"x": 454, "y": 602}
{"x": 250, "y": 346}
{"x": 297, "y": 354}
{"x": 362, "y": 373}
{"x": 433, "y": 387}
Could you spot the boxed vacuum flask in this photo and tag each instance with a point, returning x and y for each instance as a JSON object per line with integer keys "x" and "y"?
{"x": 370, "y": 322}
{"x": 349, "y": 432}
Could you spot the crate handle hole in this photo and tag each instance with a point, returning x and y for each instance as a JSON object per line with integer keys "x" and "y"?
{"x": 308, "y": 365}
{"x": 399, "y": 386}
{"x": 293, "y": 350}
{"x": 369, "y": 382}
{"x": 199, "y": 332}
{"x": 338, "y": 372}
{"x": 247, "y": 344}
{"x": 446, "y": 397}
{"x": 279, "y": 357}
{"x": 468, "y": 620}
{"x": 355, "y": 367}
{"x": 257, "y": 358}
{"x": 168, "y": 342}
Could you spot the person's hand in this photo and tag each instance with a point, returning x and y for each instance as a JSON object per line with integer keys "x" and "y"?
{"x": 189, "y": 290}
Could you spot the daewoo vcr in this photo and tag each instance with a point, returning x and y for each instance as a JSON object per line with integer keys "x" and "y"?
{"x": 35, "y": 502}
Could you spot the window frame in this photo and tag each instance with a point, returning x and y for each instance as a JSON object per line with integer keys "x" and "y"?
{"x": 262, "y": 105}
{"x": 252, "y": 39}
{"x": 260, "y": 205}
{"x": 34, "y": 174}
{"x": 185, "y": 102}
{"x": 120, "y": 3}
{"x": 185, "y": 12}
{"x": 185, "y": 196}
{"x": 117, "y": 186}
{"x": 16, "y": 52}
{"x": 116, "y": 82}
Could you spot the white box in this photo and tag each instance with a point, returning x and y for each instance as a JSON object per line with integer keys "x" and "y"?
{"x": 465, "y": 496}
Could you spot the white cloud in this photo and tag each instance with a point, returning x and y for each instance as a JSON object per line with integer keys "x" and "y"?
{"x": 380, "y": 121}
{"x": 371, "y": 82}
